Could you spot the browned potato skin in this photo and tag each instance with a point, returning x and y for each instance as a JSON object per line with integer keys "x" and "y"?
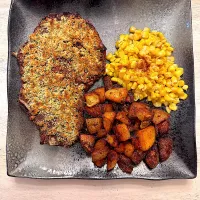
{"x": 140, "y": 111}
{"x": 122, "y": 117}
{"x": 101, "y": 133}
{"x": 152, "y": 157}
{"x": 163, "y": 128}
{"x": 122, "y": 132}
{"x": 129, "y": 98}
{"x": 108, "y": 119}
{"x": 144, "y": 124}
{"x": 100, "y": 163}
{"x": 135, "y": 142}
{"x": 107, "y": 107}
{"x": 112, "y": 140}
{"x": 112, "y": 159}
{"x": 107, "y": 82}
{"x": 147, "y": 137}
{"x": 125, "y": 164}
{"x": 159, "y": 116}
{"x": 135, "y": 126}
{"x": 128, "y": 149}
{"x": 117, "y": 95}
{"x": 91, "y": 99}
{"x": 137, "y": 156}
{"x": 120, "y": 148}
{"x": 101, "y": 93}
{"x": 100, "y": 144}
{"x": 100, "y": 154}
{"x": 165, "y": 146}
{"x": 95, "y": 111}
{"x": 94, "y": 125}
{"x": 87, "y": 142}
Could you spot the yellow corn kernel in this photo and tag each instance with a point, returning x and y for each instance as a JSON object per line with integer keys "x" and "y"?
{"x": 137, "y": 36}
{"x": 172, "y": 68}
{"x": 170, "y": 49}
{"x": 174, "y": 79}
{"x": 134, "y": 86}
{"x": 168, "y": 109}
{"x": 173, "y": 106}
{"x": 185, "y": 87}
{"x": 126, "y": 77}
{"x": 129, "y": 85}
{"x": 183, "y": 96}
{"x": 167, "y": 98}
{"x": 157, "y": 104}
{"x": 159, "y": 62}
{"x": 140, "y": 80}
{"x": 132, "y": 29}
{"x": 109, "y": 56}
{"x": 179, "y": 72}
{"x": 161, "y": 53}
{"x": 145, "y": 34}
{"x": 133, "y": 64}
{"x": 181, "y": 83}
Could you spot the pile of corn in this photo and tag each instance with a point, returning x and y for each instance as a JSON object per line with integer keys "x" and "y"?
{"x": 144, "y": 63}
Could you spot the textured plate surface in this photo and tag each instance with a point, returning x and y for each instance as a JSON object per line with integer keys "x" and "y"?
{"x": 27, "y": 158}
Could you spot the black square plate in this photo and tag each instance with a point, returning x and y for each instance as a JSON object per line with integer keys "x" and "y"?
{"x": 27, "y": 158}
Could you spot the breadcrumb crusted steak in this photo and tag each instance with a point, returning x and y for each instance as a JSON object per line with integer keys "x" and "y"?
{"x": 61, "y": 59}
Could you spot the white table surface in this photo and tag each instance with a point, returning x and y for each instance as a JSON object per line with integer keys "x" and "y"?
{"x": 15, "y": 188}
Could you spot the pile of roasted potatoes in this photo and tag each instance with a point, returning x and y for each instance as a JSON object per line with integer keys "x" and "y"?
{"x": 121, "y": 131}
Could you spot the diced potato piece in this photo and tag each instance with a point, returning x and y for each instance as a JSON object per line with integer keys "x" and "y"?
{"x": 159, "y": 116}
{"x": 101, "y": 133}
{"x": 122, "y": 117}
{"x": 100, "y": 144}
{"x": 112, "y": 159}
{"x": 100, "y": 163}
{"x": 94, "y": 125}
{"x": 135, "y": 142}
{"x": 165, "y": 146}
{"x": 135, "y": 126}
{"x": 152, "y": 157}
{"x": 91, "y": 99}
{"x": 107, "y": 107}
{"x": 128, "y": 149}
{"x": 100, "y": 154}
{"x": 140, "y": 111}
{"x": 101, "y": 93}
{"x": 163, "y": 128}
{"x": 108, "y": 119}
{"x": 137, "y": 156}
{"x": 122, "y": 132}
{"x": 112, "y": 140}
{"x": 107, "y": 82}
{"x": 87, "y": 142}
{"x": 120, "y": 148}
{"x": 95, "y": 111}
{"x": 125, "y": 164}
{"x": 144, "y": 124}
{"x": 146, "y": 137}
{"x": 117, "y": 95}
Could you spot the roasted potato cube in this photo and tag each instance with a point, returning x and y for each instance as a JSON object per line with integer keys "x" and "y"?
{"x": 91, "y": 99}
{"x": 100, "y": 163}
{"x": 101, "y": 133}
{"x": 144, "y": 124}
{"x": 147, "y": 137}
{"x": 95, "y": 111}
{"x": 112, "y": 140}
{"x": 112, "y": 159}
{"x": 108, "y": 119}
{"x": 125, "y": 164}
{"x": 140, "y": 111}
{"x": 128, "y": 149}
{"x": 94, "y": 125}
{"x": 152, "y": 157}
{"x": 107, "y": 107}
{"x": 122, "y": 117}
{"x": 137, "y": 156}
{"x": 120, "y": 148}
{"x": 135, "y": 126}
{"x": 101, "y": 93}
{"x": 100, "y": 154}
{"x": 107, "y": 82}
{"x": 100, "y": 144}
{"x": 122, "y": 132}
{"x": 87, "y": 142}
{"x": 159, "y": 116}
{"x": 117, "y": 95}
{"x": 165, "y": 146}
{"x": 163, "y": 128}
{"x": 135, "y": 142}
{"x": 129, "y": 98}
